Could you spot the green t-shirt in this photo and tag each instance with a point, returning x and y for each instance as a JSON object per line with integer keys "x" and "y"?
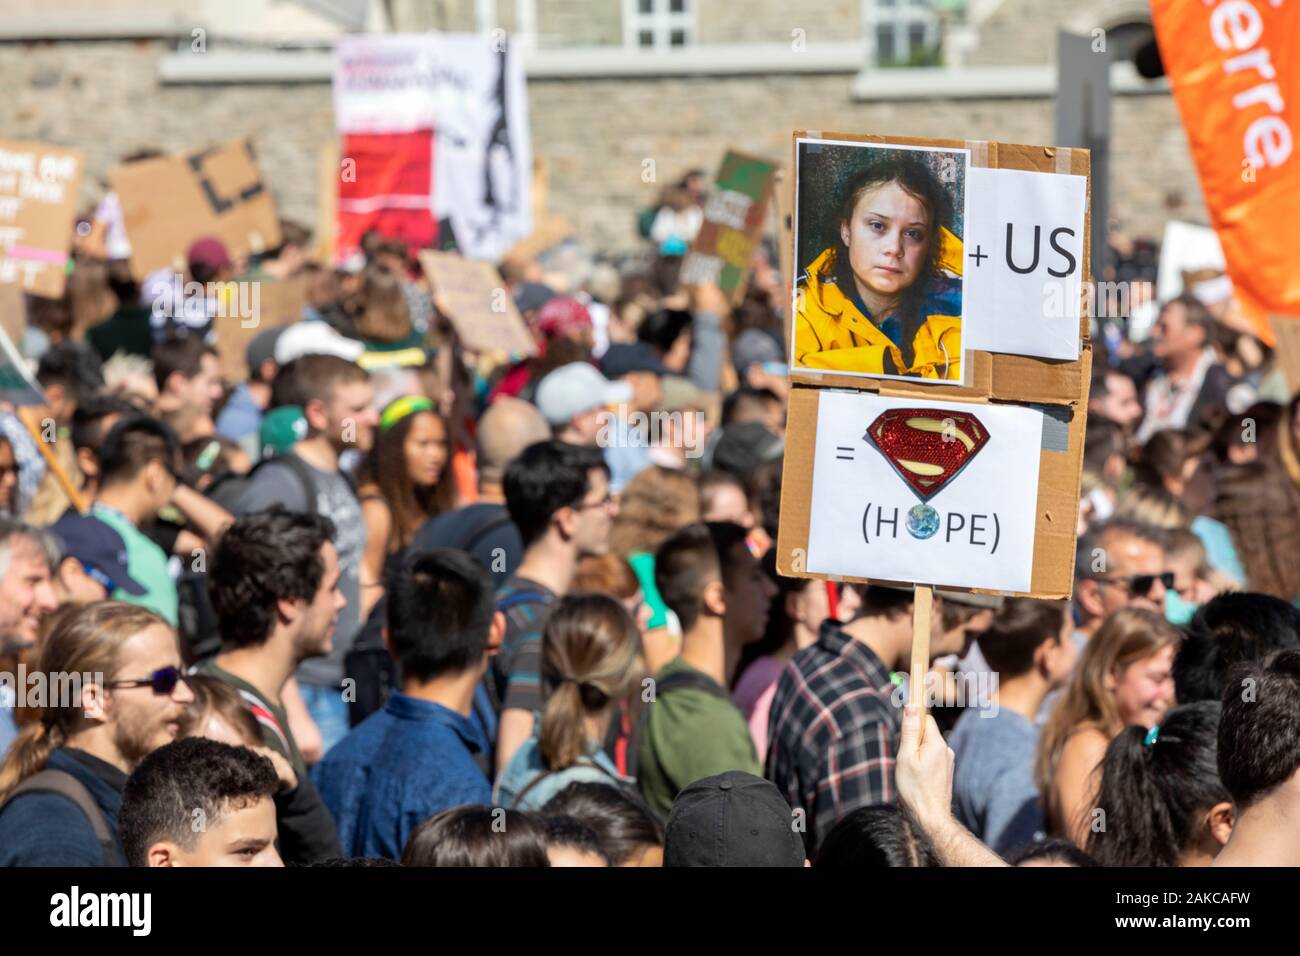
{"x": 147, "y": 565}
{"x": 690, "y": 733}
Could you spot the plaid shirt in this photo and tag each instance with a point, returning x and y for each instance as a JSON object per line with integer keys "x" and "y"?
{"x": 832, "y": 731}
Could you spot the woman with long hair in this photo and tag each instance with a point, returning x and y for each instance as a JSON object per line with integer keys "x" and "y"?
{"x": 591, "y": 659}
{"x": 884, "y": 300}
{"x": 794, "y": 618}
{"x": 1123, "y": 677}
{"x": 1161, "y": 793}
{"x": 403, "y": 481}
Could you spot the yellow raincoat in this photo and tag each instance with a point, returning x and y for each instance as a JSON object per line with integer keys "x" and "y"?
{"x": 830, "y": 332}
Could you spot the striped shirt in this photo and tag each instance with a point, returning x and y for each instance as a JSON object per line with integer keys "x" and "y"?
{"x": 516, "y": 676}
{"x": 271, "y": 718}
{"x": 833, "y": 731}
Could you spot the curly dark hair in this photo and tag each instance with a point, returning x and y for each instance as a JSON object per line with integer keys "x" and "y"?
{"x": 262, "y": 557}
{"x": 193, "y": 773}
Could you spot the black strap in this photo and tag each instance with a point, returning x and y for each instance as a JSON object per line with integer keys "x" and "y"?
{"x": 692, "y": 680}
{"x": 303, "y": 472}
{"x": 581, "y": 762}
{"x": 66, "y": 785}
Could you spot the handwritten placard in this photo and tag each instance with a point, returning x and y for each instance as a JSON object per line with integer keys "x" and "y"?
{"x": 477, "y": 303}
{"x": 38, "y": 199}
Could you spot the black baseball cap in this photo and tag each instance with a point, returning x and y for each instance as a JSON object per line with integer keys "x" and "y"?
{"x": 624, "y": 358}
{"x": 743, "y": 446}
{"x": 732, "y": 819}
{"x": 96, "y": 546}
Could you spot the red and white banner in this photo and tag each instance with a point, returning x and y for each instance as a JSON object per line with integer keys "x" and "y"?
{"x": 435, "y": 139}
{"x": 1235, "y": 70}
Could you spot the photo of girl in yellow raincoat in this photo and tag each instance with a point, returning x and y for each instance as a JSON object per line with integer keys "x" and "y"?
{"x": 885, "y": 300}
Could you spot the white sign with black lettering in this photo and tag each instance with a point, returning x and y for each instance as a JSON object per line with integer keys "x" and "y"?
{"x": 940, "y": 493}
{"x": 1024, "y": 262}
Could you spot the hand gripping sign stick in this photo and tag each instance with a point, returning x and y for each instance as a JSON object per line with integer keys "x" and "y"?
{"x": 922, "y": 603}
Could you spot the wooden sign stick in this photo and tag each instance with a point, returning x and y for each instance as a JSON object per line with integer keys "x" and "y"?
{"x": 922, "y": 603}
{"x": 27, "y": 415}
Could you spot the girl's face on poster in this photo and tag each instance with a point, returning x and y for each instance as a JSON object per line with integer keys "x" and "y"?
{"x": 888, "y": 238}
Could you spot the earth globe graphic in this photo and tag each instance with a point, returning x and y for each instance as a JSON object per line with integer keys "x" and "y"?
{"x": 922, "y": 522}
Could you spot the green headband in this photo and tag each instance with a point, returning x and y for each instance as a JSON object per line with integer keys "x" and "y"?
{"x": 402, "y": 407}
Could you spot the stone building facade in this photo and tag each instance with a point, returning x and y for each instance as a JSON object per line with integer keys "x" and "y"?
{"x": 599, "y": 108}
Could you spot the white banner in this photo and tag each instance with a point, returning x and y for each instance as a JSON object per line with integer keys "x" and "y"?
{"x": 470, "y": 91}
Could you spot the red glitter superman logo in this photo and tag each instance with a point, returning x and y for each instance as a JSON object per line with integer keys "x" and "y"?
{"x": 927, "y": 447}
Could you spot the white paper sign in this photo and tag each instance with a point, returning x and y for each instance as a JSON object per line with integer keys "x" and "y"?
{"x": 954, "y": 505}
{"x": 470, "y": 91}
{"x": 1024, "y": 262}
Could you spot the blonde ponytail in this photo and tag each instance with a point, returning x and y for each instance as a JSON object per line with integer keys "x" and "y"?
{"x": 28, "y": 754}
{"x": 591, "y": 648}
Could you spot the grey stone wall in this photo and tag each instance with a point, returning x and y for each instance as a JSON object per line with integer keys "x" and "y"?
{"x": 104, "y": 97}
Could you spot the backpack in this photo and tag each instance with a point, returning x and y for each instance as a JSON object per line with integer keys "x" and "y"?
{"x": 626, "y": 745}
{"x": 66, "y": 785}
{"x": 368, "y": 662}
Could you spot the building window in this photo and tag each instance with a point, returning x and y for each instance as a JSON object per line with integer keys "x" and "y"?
{"x": 907, "y": 32}
{"x": 658, "y": 24}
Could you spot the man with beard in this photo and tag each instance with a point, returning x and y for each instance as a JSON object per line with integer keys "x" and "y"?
{"x": 275, "y": 586}
{"x": 113, "y": 692}
{"x": 25, "y": 598}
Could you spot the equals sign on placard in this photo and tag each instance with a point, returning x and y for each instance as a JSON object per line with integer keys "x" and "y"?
{"x": 843, "y": 453}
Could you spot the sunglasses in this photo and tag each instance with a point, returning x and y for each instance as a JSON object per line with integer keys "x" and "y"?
{"x": 162, "y": 681}
{"x": 1140, "y": 585}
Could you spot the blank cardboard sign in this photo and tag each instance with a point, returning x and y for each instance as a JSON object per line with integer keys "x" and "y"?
{"x": 169, "y": 202}
{"x": 278, "y": 303}
{"x": 477, "y": 303}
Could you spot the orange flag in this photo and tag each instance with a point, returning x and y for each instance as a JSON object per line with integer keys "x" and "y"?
{"x": 1235, "y": 70}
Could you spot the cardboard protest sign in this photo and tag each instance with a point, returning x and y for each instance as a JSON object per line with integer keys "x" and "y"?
{"x": 275, "y": 303}
{"x": 38, "y": 200}
{"x": 878, "y": 230}
{"x": 476, "y": 302}
{"x": 437, "y": 124}
{"x": 937, "y": 464}
{"x": 170, "y": 201}
{"x": 327, "y": 199}
{"x": 733, "y": 222}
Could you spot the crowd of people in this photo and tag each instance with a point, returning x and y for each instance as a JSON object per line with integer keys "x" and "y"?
{"x": 386, "y": 601}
